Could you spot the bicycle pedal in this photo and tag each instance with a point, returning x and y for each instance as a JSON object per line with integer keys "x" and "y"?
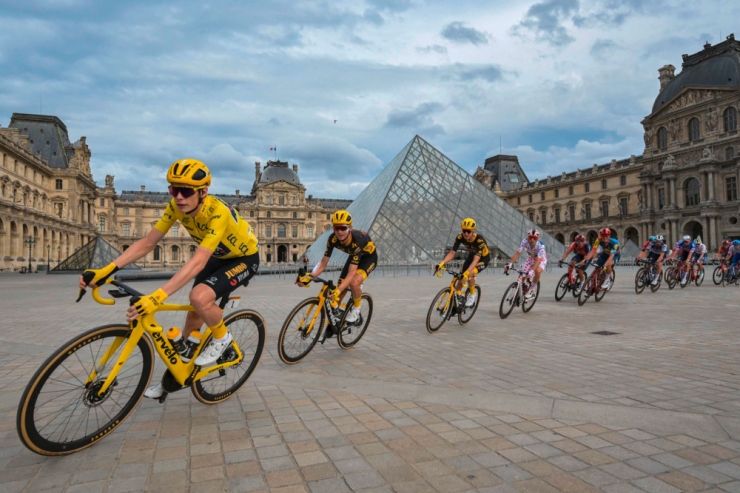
{"x": 163, "y": 398}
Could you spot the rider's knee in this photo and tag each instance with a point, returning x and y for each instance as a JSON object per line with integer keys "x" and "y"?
{"x": 201, "y": 298}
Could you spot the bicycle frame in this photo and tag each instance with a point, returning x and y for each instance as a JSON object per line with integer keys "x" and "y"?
{"x": 448, "y": 305}
{"x": 184, "y": 373}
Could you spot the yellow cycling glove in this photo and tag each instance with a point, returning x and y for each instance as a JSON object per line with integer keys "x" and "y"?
{"x": 304, "y": 281}
{"x": 334, "y": 297}
{"x": 150, "y": 303}
{"x": 439, "y": 268}
{"x": 100, "y": 275}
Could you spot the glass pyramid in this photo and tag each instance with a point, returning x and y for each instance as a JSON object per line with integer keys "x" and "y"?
{"x": 95, "y": 254}
{"x": 413, "y": 209}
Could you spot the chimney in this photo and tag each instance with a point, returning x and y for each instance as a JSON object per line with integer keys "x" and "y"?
{"x": 143, "y": 187}
{"x": 310, "y": 197}
{"x": 667, "y": 73}
{"x": 237, "y": 193}
{"x": 295, "y": 168}
{"x": 257, "y": 171}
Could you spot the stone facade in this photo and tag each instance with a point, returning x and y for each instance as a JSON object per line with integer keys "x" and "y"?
{"x": 684, "y": 183}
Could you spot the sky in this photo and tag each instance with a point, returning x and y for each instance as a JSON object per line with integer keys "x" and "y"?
{"x": 341, "y": 87}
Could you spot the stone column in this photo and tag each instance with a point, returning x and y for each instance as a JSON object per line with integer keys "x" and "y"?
{"x": 710, "y": 185}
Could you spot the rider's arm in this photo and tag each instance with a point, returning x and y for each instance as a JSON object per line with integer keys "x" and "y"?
{"x": 188, "y": 271}
{"x": 570, "y": 248}
{"x": 320, "y": 266}
{"x": 514, "y": 258}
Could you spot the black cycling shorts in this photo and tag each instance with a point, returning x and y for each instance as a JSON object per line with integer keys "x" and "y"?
{"x": 683, "y": 256}
{"x": 652, "y": 257}
{"x": 366, "y": 265}
{"x": 224, "y": 276}
{"x": 482, "y": 263}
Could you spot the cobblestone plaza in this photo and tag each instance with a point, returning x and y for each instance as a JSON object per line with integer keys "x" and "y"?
{"x": 535, "y": 403}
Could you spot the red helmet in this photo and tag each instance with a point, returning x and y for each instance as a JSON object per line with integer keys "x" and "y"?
{"x": 605, "y": 232}
{"x": 726, "y": 242}
{"x": 533, "y": 233}
{"x": 580, "y": 238}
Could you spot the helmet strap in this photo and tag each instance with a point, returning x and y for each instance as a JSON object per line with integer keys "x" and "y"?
{"x": 201, "y": 197}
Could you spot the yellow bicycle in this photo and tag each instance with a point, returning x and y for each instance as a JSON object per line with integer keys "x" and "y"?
{"x": 88, "y": 386}
{"x": 308, "y": 320}
{"x": 447, "y": 303}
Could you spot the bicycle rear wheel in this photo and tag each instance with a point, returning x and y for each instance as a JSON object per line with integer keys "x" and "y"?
{"x": 466, "y": 313}
{"x": 717, "y": 275}
{"x": 601, "y": 292}
{"x": 699, "y": 277}
{"x": 655, "y": 287}
{"x": 562, "y": 287}
{"x": 671, "y": 278}
{"x": 527, "y": 304}
{"x": 640, "y": 280}
{"x": 247, "y": 327}
{"x": 586, "y": 289}
{"x": 350, "y": 334}
{"x": 438, "y": 310}
{"x": 509, "y": 299}
{"x": 58, "y": 414}
{"x": 297, "y": 337}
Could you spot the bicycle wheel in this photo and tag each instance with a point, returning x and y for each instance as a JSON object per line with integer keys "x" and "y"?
{"x": 509, "y": 300}
{"x": 58, "y": 414}
{"x": 600, "y": 292}
{"x": 680, "y": 279}
{"x": 717, "y": 275}
{"x": 247, "y": 327}
{"x": 668, "y": 273}
{"x": 699, "y": 277}
{"x": 656, "y": 287}
{"x": 562, "y": 287}
{"x": 586, "y": 289}
{"x": 438, "y": 310}
{"x": 294, "y": 342}
{"x": 614, "y": 278}
{"x": 640, "y": 280}
{"x": 466, "y": 314}
{"x": 527, "y": 304}
{"x": 349, "y": 335}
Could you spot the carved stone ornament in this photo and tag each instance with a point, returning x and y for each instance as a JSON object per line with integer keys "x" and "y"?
{"x": 710, "y": 124}
{"x": 670, "y": 161}
{"x": 109, "y": 181}
{"x": 648, "y": 136}
{"x": 693, "y": 96}
{"x": 639, "y": 203}
{"x": 706, "y": 153}
{"x": 673, "y": 128}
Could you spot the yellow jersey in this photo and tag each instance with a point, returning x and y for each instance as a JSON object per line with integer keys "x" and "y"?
{"x": 217, "y": 227}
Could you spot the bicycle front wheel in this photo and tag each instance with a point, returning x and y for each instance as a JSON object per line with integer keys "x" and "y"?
{"x": 562, "y": 287}
{"x": 437, "y": 314}
{"x": 298, "y": 336}
{"x": 465, "y": 314}
{"x": 350, "y": 334}
{"x": 586, "y": 290}
{"x": 527, "y": 304}
{"x": 655, "y": 287}
{"x": 614, "y": 278}
{"x": 247, "y": 327}
{"x": 61, "y": 412}
{"x": 509, "y": 299}
{"x": 699, "y": 277}
{"x": 717, "y": 275}
{"x": 640, "y": 280}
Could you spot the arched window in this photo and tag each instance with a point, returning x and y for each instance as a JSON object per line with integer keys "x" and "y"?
{"x": 730, "y": 119}
{"x": 662, "y": 138}
{"x": 281, "y": 199}
{"x": 730, "y": 153}
{"x": 295, "y": 215}
{"x": 281, "y": 230}
{"x": 694, "y": 129}
{"x": 157, "y": 253}
{"x": 692, "y": 192}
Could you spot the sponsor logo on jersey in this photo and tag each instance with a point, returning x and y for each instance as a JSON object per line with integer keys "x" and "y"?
{"x": 236, "y": 270}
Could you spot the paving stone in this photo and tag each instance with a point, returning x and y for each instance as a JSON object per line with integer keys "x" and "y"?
{"x": 655, "y": 485}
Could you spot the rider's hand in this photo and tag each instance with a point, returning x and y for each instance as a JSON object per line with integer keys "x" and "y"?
{"x": 508, "y": 266}
{"x": 439, "y": 268}
{"x": 334, "y": 297}
{"x": 560, "y": 263}
{"x": 303, "y": 281}
{"x": 99, "y": 275}
{"x": 146, "y": 305}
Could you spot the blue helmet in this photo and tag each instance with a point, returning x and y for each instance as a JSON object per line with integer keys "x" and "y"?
{"x": 652, "y": 238}
{"x": 736, "y": 242}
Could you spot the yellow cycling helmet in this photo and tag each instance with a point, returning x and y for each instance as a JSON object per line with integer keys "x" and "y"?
{"x": 189, "y": 173}
{"x": 341, "y": 217}
{"x": 468, "y": 223}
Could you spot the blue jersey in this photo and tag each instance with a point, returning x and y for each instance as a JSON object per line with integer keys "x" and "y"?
{"x": 686, "y": 247}
{"x": 612, "y": 246}
{"x": 657, "y": 247}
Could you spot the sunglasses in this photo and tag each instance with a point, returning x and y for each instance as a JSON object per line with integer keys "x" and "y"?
{"x": 341, "y": 229}
{"x": 186, "y": 192}
{"x": 467, "y": 231}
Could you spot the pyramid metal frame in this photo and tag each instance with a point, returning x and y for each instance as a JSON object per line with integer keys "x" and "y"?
{"x": 94, "y": 254}
{"x": 413, "y": 209}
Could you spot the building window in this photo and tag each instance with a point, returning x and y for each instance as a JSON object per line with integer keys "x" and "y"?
{"x": 295, "y": 231}
{"x": 662, "y": 138}
{"x": 542, "y": 195}
{"x": 269, "y": 213}
{"x": 530, "y": 198}
{"x": 586, "y": 187}
{"x": 309, "y": 231}
{"x": 531, "y": 216}
{"x": 268, "y": 231}
{"x": 102, "y": 224}
{"x": 310, "y": 215}
{"x": 268, "y": 257}
{"x": 251, "y": 213}
{"x": 192, "y": 250}
{"x": 603, "y": 184}
{"x": 156, "y": 212}
{"x": 731, "y": 185}
{"x": 295, "y": 200}
{"x": 557, "y": 193}
{"x": 102, "y": 202}
{"x": 661, "y": 198}
{"x": 268, "y": 199}
{"x": 518, "y": 201}
{"x": 624, "y": 204}
{"x": 543, "y": 217}
{"x": 175, "y": 254}
{"x": 692, "y": 192}
{"x": 281, "y": 230}
{"x": 623, "y": 181}
{"x": 328, "y": 217}
{"x": 125, "y": 212}
{"x": 175, "y": 230}
{"x": 157, "y": 253}
{"x": 730, "y": 119}
{"x": 730, "y": 153}
{"x": 694, "y": 129}
{"x": 281, "y": 199}
{"x": 557, "y": 215}
{"x": 572, "y": 212}
{"x": 126, "y": 229}
{"x": 604, "y": 208}
{"x": 570, "y": 190}
{"x": 59, "y": 184}
{"x": 587, "y": 207}
{"x": 295, "y": 215}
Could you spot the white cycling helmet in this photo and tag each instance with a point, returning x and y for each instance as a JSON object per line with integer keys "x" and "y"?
{"x": 659, "y": 238}
{"x": 687, "y": 238}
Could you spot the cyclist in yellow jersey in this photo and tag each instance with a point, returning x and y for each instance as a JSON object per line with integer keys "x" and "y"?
{"x": 227, "y": 257}
{"x": 478, "y": 258}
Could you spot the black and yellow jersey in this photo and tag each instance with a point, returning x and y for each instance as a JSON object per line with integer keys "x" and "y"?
{"x": 359, "y": 244}
{"x": 217, "y": 227}
{"x": 477, "y": 246}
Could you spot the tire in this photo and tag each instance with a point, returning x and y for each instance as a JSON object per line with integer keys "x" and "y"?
{"x": 688, "y": 279}
{"x": 466, "y": 315}
{"x": 508, "y": 300}
{"x": 656, "y": 287}
{"x": 717, "y": 275}
{"x": 586, "y": 290}
{"x": 640, "y": 280}
{"x": 293, "y": 342}
{"x": 349, "y": 336}
{"x": 614, "y": 278}
{"x": 562, "y": 287}
{"x": 671, "y": 280}
{"x": 526, "y": 305}
{"x": 437, "y": 315}
{"x": 62, "y": 377}
{"x": 667, "y": 273}
{"x": 247, "y": 327}
{"x": 699, "y": 277}
{"x": 599, "y": 295}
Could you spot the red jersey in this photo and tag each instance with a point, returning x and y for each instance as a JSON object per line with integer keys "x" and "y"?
{"x": 646, "y": 245}
{"x": 723, "y": 249}
{"x": 581, "y": 249}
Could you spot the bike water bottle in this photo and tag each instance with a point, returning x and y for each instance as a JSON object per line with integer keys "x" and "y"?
{"x": 191, "y": 345}
{"x": 175, "y": 337}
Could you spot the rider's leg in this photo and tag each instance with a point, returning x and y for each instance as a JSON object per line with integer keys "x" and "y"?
{"x": 537, "y": 274}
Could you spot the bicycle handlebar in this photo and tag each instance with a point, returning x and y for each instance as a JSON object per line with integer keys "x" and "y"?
{"x": 122, "y": 288}
{"x": 329, "y": 283}
{"x": 560, "y": 265}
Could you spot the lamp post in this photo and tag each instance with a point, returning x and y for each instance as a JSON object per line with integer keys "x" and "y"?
{"x": 30, "y": 241}
{"x": 48, "y": 254}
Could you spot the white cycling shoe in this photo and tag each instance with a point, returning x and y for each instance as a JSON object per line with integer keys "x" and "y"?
{"x": 155, "y": 391}
{"x": 471, "y": 300}
{"x": 213, "y": 351}
{"x": 352, "y": 316}
{"x": 607, "y": 282}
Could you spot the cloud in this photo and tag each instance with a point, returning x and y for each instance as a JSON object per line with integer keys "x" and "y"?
{"x": 545, "y": 20}
{"x": 602, "y": 48}
{"x": 436, "y": 48}
{"x": 418, "y": 119}
{"x": 458, "y": 33}
{"x": 391, "y": 5}
{"x": 489, "y": 73}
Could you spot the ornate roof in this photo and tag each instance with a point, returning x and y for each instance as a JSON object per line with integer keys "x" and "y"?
{"x": 714, "y": 66}
{"x": 279, "y": 170}
{"x": 48, "y": 137}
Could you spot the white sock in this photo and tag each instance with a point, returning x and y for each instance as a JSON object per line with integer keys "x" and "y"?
{"x": 224, "y": 338}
